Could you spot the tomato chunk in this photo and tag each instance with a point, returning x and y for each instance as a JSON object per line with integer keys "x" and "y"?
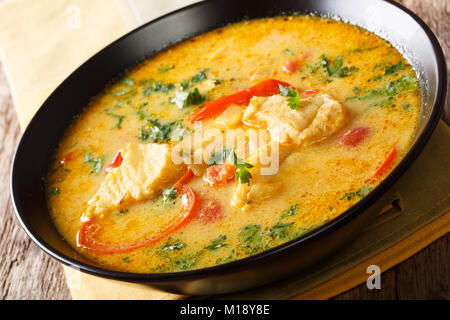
{"x": 209, "y": 211}
{"x": 291, "y": 66}
{"x": 354, "y": 136}
{"x": 116, "y": 162}
{"x": 220, "y": 173}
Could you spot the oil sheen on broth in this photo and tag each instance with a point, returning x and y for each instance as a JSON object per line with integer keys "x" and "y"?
{"x": 342, "y": 103}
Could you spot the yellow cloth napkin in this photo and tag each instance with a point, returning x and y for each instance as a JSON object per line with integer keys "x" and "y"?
{"x": 43, "y": 41}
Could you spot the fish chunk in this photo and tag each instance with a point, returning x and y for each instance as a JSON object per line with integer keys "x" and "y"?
{"x": 317, "y": 118}
{"x": 145, "y": 170}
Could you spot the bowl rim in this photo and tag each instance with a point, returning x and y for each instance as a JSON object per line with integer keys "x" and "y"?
{"x": 247, "y": 262}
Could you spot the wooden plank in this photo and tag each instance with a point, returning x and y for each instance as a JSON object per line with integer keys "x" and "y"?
{"x": 26, "y": 272}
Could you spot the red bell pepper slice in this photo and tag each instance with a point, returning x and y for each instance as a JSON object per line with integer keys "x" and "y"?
{"x": 116, "y": 162}
{"x": 386, "y": 163}
{"x": 87, "y": 235}
{"x": 68, "y": 157}
{"x": 188, "y": 175}
{"x": 263, "y": 89}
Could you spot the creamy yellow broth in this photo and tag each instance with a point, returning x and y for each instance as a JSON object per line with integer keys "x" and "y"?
{"x": 375, "y": 84}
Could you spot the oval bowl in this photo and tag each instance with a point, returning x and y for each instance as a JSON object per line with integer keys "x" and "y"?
{"x": 398, "y": 25}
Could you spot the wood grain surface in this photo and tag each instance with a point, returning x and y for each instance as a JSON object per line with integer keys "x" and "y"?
{"x": 27, "y": 273}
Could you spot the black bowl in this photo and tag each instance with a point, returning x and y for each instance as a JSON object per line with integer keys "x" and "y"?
{"x": 389, "y": 20}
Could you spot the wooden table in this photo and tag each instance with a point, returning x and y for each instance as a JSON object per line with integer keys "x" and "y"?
{"x": 27, "y": 273}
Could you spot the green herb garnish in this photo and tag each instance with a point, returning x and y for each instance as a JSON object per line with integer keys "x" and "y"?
{"x": 158, "y": 86}
{"x": 184, "y": 99}
{"x": 250, "y": 238}
{"x": 393, "y": 68}
{"x": 118, "y": 117}
{"x": 361, "y": 193}
{"x": 293, "y": 96}
{"x": 336, "y": 68}
{"x": 169, "y": 194}
{"x": 95, "y": 163}
{"x": 222, "y": 156}
{"x": 165, "y": 69}
{"x": 173, "y": 245}
{"x": 199, "y": 77}
{"x": 127, "y": 81}
{"x": 280, "y": 230}
{"x": 122, "y": 213}
{"x": 406, "y": 106}
{"x": 217, "y": 243}
{"x": 288, "y": 52}
{"x": 123, "y": 92}
{"x": 141, "y": 111}
{"x": 53, "y": 192}
{"x": 155, "y": 131}
{"x": 290, "y": 212}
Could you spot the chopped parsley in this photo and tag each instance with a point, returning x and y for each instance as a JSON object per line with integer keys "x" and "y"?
{"x": 157, "y": 86}
{"x": 288, "y": 52}
{"x": 122, "y": 213}
{"x": 53, "y": 192}
{"x": 280, "y": 230}
{"x": 185, "y": 84}
{"x": 154, "y": 130}
{"x": 242, "y": 174}
{"x": 118, "y": 117}
{"x": 123, "y": 92}
{"x": 199, "y": 77}
{"x": 382, "y": 103}
{"x": 250, "y": 238}
{"x": 217, "y": 243}
{"x": 336, "y": 68}
{"x": 186, "y": 263}
{"x": 165, "y": 69}
{"x": 173, "y": 245}
{"x": 185, "y": 99}
{"x": 290, "y": 212}
{"x": 384, "y": 96}
{"x": 169, "y": 194}
{"x": 95, "y": 163}
{"x": 141, "y": 112}
{"x": 222, "y": 156}
{"x": 293, "y": 96}
{"x": 361, "y": 49}
{"x": 361, "y": 193}
{"x": 403, "y": 85}
{"x": 393, "y": 68}
{"x": 178, "y": 132}
{"x": 126, "y": 259}
{"x": 127, "y": 81}
{"x": 406, "y": 106}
